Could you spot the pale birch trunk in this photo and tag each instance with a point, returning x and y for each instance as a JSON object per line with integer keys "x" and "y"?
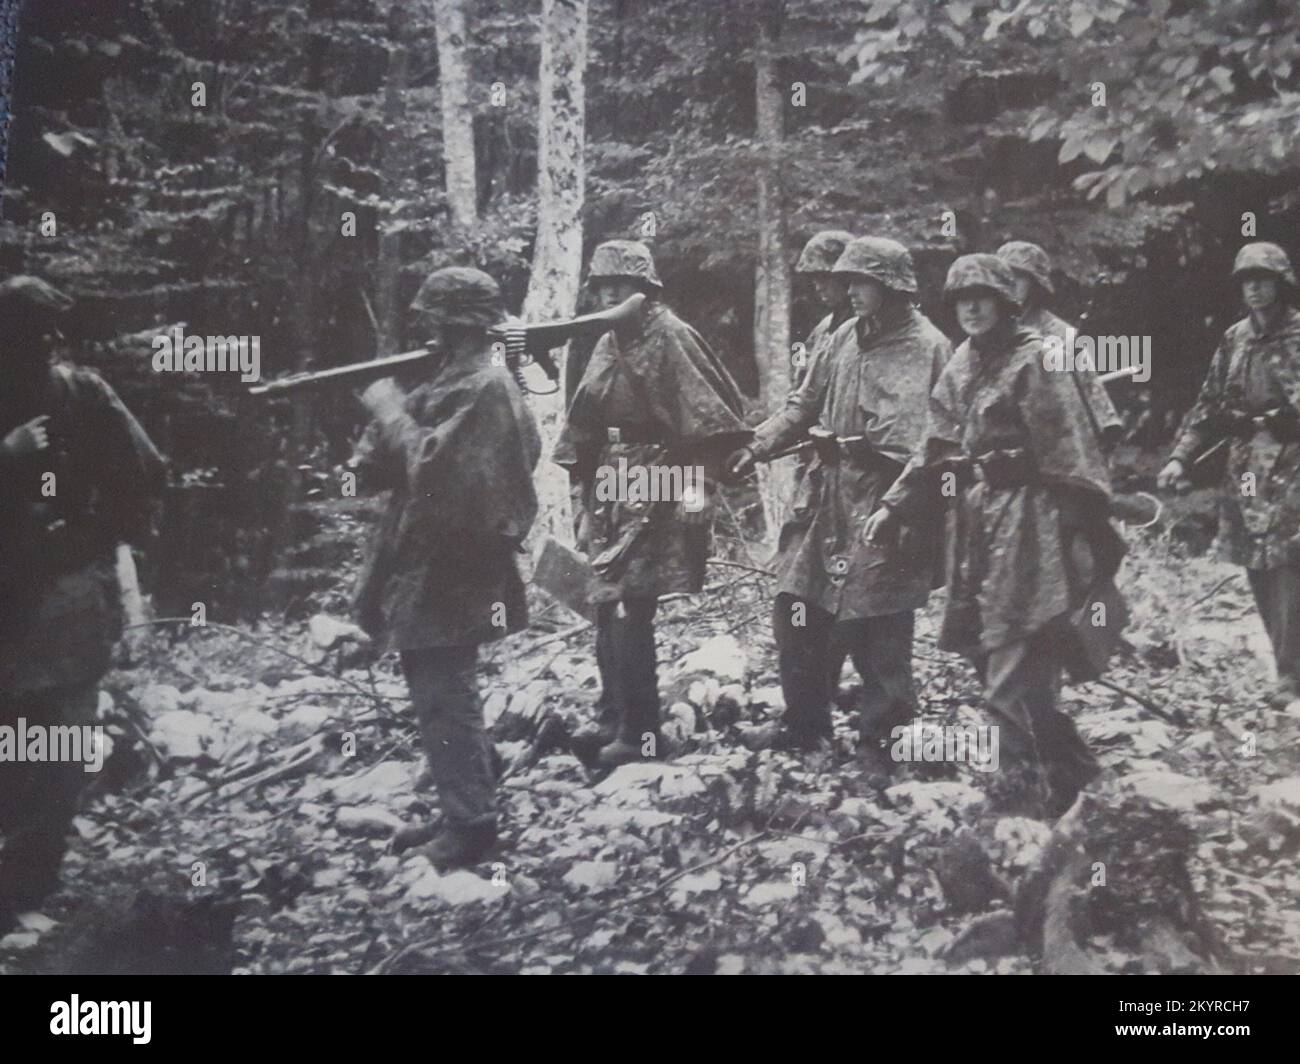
{"x": 392, "y": 168}
{"x": 557, "y": 254}
{"x": 457, "y": 116}
{"x": 772, "y": 280}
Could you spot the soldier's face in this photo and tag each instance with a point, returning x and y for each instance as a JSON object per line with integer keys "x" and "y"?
{"x": 25, "y": 351}
{"x": 829, "y": 289}
{"x": 977, "y": 312}
{"x": 866, "y": 295}
{"x": 611, "y": 293}
{"x": 1259, "y": 290}
{"x": 1022, "y": 286}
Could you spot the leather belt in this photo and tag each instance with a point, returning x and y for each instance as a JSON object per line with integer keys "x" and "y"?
{"x": 1010, "y": 468}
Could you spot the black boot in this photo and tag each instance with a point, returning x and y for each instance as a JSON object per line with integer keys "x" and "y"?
{"x": 590, "y": 737}
{"x": 413, "y": 835}
{"x": 461, "y": 846}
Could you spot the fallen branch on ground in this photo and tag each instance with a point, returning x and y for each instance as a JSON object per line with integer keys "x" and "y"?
{"x": 239, "y": 633}
{"x": 1171, "y": 716}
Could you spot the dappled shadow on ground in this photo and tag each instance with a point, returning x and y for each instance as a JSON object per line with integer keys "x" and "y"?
{"x": 246, "y": 814}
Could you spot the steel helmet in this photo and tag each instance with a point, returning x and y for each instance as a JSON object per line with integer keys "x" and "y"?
{"x": 1028, "y": 258}
{"x": 820, "y": 253}
{"x": 980, "y": 271}
{"x": 1264, "y": 256}
{"x": 623, "y": 259}
{"x": 460, "y": 295}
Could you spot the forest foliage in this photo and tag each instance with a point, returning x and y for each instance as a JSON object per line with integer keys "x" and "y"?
{"x": 951, "y": 126}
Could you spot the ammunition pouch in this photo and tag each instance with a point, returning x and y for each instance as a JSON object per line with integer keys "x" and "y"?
{"x": 827, "y": 449}
{"x": 50, "y": 544}
{"x": 1234, "y": 422}
{"x": 1005, "y": 469}
{"x": 1283, "y": 425}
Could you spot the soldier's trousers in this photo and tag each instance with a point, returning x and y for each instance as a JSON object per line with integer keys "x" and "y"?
{"x": 444, "y": 690}
{"x": 39, "y": 799}
{"x": 625, "y": 655}
{"x": 1277, "y": 596}
{"x": 809, "y": 656}
{"x": 1022, "y": 686}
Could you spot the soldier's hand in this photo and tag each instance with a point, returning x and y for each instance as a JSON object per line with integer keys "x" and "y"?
{"x": 1173, "y": 477}
{"x": 741, "y": 462}
{"x": 383, "y": 397}
{"x": 582, "y": 532}
{"x": 880, "y": 527}
{"x": 28, "y": 438}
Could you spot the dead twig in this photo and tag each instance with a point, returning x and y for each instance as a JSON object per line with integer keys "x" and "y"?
{"x": 307, "y": 753}
{"x": 560, "y": 636}
{"x": 293, "y": 761}
{"x": 1171, "y": 716}
{"x": 239, "y": 633}
{"x": 764, "y": 612}
{"x": 1211, "y": 593}
{"x": 741, "y": 565}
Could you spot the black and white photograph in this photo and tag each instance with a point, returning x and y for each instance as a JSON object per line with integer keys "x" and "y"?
{"x": 599, "y": 487}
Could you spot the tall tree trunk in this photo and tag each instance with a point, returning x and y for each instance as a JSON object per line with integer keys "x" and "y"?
{"x": 457, "y": 115}
{"x": 772, "y": 280}
{"x": 294, "y": 228}
{"x": 557, "y": 254}
{"x": 8, "y": 51}
{"x": 392, "y": 168}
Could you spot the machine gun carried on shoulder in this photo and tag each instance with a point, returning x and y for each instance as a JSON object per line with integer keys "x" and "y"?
{"x": 519, "y": 339}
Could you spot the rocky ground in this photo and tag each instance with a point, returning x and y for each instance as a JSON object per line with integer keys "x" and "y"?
{"x": 243, "y": 822}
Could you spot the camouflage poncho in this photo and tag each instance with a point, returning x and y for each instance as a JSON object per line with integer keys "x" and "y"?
{"x": 61, "y": 615}
{"x": 459, "y": 461}
{"x": 1255, "y": 371}
{"x": 819, "y": 342}
{"x": 871, "y": 383}
{"x": 816, "y": 346}
{"x": 1095, "y": 395}
{"x": 1019, "y": 557}
{"x": 671, "y": 402}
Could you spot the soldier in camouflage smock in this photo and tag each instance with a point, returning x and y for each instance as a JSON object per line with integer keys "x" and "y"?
{"x": 816, "y": 263}
{"x": 1251, "y": 401}
{"x": 456, "y": 454}
{"x": 864, "y": 400}
{"x": 1008, "y": 443}
{"x": 653, "y": 398}
{"x": 1034, "y": 289}
{"x": 62, "y": 428}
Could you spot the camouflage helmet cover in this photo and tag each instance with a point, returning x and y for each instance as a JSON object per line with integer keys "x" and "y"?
{"x": 623, "y": 259}
{"x": 1264, "y": 256}
{"x": 981, "y": 271}
{"x": 32, "y": 310}
{"x": 1028, "y": 258}
{"x": 24, "y": 294}
{"x": 821, "y": 251}
{"x": 460, "y": 295}
{"x": 881, "y": 259}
